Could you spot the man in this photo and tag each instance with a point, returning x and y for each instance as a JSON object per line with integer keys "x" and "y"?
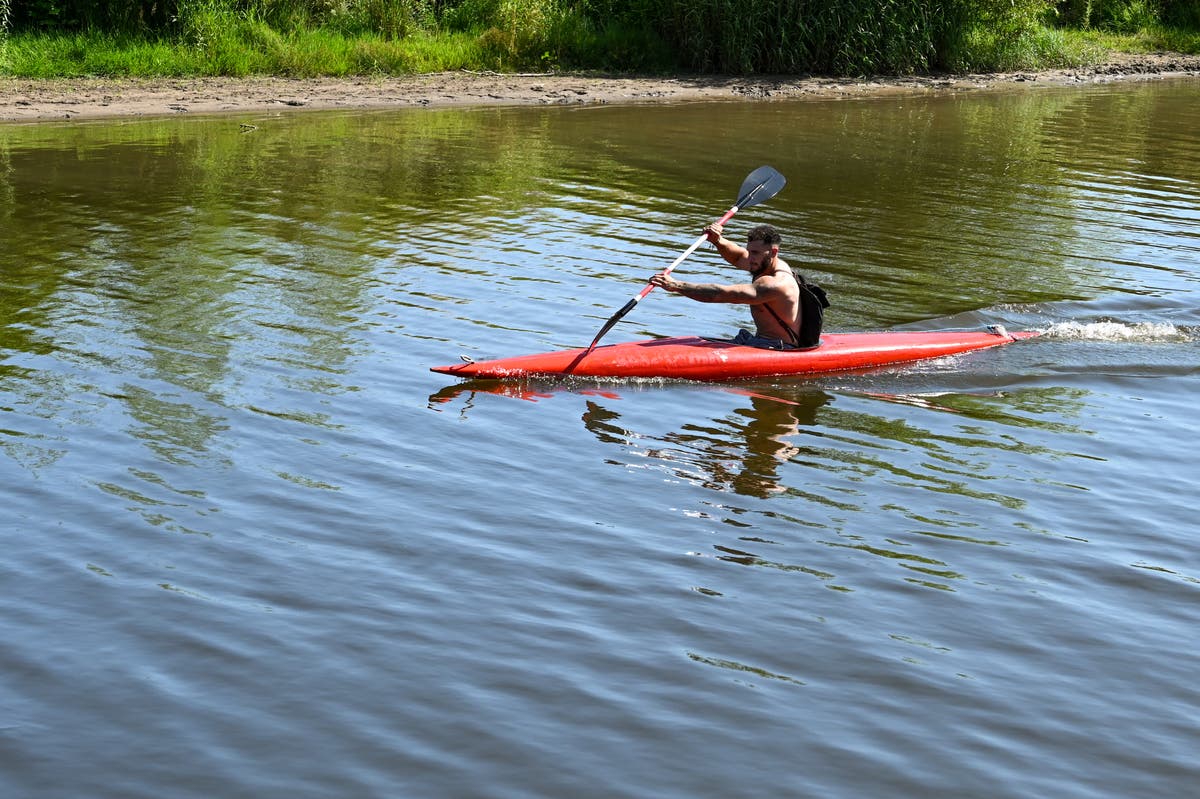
{"x": 775, "y": 294}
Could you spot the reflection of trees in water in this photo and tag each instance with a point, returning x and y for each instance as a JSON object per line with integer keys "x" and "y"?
{"x": 950, "y": 204}
{"x": 165, "y": 282}
{"x": 191, "y": 268}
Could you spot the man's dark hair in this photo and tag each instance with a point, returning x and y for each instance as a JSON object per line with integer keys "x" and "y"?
{"x": 764, "y": 233}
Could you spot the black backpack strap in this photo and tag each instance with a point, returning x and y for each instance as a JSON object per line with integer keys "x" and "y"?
{"x": 791, "y": 333}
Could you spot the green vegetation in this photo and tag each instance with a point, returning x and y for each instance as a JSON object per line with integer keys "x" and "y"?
{"x": 48, "y": 38}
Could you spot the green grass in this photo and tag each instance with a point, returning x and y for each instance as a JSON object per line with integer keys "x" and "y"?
{"x": 1153, "y": 39}
{"x": 306, "y": 38}
{"x": 239, "y": 52}
{"x": 1041, "y": 47}
{"x": 52, "y": 55}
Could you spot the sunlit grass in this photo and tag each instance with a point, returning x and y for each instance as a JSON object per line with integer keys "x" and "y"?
{"x": 1153, "y": 39}
{"x": 1040, "y": 47}
{"x": 72, "y": 55}
{"x": 241, "y": 52}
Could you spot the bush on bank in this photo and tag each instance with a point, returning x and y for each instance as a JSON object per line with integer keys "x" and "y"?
{"x": 340, "y": 37}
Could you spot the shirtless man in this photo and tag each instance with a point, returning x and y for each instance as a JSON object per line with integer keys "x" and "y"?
{"x": 773, "y": 293}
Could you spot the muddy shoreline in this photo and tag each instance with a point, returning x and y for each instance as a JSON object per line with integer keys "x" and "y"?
{"x": 24, "y": 100}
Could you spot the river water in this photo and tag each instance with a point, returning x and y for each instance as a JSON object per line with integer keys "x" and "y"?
{"x": 254, "y": 548}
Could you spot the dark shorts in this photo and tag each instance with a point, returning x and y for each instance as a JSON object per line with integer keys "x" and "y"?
{"x": 748, "y": 339}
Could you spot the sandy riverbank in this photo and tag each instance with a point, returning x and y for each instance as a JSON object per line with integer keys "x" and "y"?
{"x": 23, "y": 100}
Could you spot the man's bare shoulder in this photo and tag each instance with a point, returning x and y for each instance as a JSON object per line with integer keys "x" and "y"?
{"x": 780, "y": 278}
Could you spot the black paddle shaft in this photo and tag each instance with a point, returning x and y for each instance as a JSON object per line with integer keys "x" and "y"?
{"x": 759, "y": 186}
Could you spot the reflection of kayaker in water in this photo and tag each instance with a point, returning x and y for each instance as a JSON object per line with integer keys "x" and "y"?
{"x": 770, "y": 431}
{"x": 741, "y": 452}
{"x": 786, "y": 310}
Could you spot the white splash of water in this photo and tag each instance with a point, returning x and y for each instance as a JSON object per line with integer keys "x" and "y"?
{"x": 1117, "y": 331}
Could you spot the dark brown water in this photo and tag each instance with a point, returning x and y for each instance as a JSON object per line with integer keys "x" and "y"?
{"x": 253, "y": 548}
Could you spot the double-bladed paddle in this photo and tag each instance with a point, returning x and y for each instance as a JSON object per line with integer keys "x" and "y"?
{"x": 760, "y": 185}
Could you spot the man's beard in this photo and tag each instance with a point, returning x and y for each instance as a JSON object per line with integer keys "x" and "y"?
{"x": 767, "y": 264}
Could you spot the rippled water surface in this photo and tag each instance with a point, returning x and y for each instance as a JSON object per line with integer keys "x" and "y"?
{"x": 254, "y": 548}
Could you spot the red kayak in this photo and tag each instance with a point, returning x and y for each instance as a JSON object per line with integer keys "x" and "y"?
{"x": 694, "y": 358}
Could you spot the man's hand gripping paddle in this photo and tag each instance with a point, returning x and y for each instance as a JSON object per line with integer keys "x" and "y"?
{"x": 760, "y": 185}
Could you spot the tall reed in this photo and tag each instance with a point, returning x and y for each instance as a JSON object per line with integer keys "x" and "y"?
{"x": 5, "y": 16}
